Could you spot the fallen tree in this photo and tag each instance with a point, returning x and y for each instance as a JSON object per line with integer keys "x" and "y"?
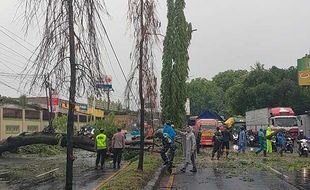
{"x": 11, "y": 144}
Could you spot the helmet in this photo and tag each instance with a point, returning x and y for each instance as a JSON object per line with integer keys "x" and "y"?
{"x": 301, "y": 131}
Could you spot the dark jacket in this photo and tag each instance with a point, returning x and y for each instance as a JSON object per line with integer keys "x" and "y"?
{"x": 226, "y": 135}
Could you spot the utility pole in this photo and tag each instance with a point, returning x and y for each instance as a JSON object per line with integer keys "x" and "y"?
{"x": 48, "y": 101}
{"x": 109, "y": 100}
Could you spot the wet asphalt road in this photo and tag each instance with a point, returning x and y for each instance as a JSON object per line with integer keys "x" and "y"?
{"x": 214, "y": 179}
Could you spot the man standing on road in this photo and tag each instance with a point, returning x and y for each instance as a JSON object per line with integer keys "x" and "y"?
{"x": 101, "y": 148}
{"x": 118, "y": 144}
{"x": 217, "y": 143}
{"x": 189, "y": 149}
{"x": 168, "y": 143}
{"x": 242, "y": 140}
{"x": 268, "y": 141}
{"x": 261, "y": 142}
{"x": 226, "y": 138}
{"x": 197, "y": 134}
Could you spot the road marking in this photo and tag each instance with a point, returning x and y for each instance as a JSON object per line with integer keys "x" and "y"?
{"x": 104, "y": 181}
{"x": 170, "y": 182}
{"x": 277, "y": 172}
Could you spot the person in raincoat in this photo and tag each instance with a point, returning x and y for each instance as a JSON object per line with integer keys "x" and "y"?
{"x": 217, "y": 143}
{"x": 281, "y": 142}
{"x": 261, "y": 142}
{"x": 242, "y": 140}
{"x": 189, "y": 149}
{"x": 268, "y": 141}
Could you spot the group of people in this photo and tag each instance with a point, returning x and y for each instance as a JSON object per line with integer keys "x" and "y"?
{"x": 221, "y": 141}
{"x": 169, "y": 134}
{"x": 117, "y": 146}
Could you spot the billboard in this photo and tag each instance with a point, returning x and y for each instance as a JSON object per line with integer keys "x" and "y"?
{"x": 303, "y": 67}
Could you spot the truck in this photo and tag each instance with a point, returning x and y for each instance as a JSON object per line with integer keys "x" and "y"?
{"x": 207, "y": 127}
{"x": 276, "y": 118}
{"x": 305, "y": 123}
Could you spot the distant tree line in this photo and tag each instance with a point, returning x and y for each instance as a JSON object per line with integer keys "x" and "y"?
{"x": 234, "y": 92}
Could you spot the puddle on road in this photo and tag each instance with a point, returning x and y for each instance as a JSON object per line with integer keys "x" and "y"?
{"x": 302, "y": 178}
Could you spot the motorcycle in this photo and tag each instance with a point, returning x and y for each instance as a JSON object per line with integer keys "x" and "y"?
{"x": 251, "y": 140}
{"x": 303, "y": 147}
{"x": 274, "y": 144}
{"x": 235, "y": 137}
{"x": 289, "y": 145}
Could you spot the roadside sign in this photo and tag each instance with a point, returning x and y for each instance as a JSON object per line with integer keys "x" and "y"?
{"x": 303, "y": 67}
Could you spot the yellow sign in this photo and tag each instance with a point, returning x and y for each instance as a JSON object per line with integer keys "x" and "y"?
{"x": 95, "y": 112}
{"x": 303, "y": 67}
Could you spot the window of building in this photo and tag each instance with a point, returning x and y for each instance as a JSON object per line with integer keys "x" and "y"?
{"x": 12, "y": 129}
{"x": 32, "y": 114}
{"x": 83, "y": 118}
{"x": 32, "y": 128}
{"x": 12, "y": 113}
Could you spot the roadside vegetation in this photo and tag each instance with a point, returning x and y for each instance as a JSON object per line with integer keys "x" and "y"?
{"x": 233, "y": 92}
{"x": 131, "y": 178}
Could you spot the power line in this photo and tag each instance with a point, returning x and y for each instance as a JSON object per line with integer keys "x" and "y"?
{"x": 7, "y": 66}
{"x": 17, "y": 36}
{"x": 9, "y": 86}
{"x": 16, "y": 41}
{"x": 11, "y": 63}
{"x": 116, "y": 57}
{"x": 14, "y": 51}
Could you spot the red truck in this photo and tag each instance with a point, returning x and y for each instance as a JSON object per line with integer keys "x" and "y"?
{"x": 208, "y": 127}
{"x": 278, "y": 117}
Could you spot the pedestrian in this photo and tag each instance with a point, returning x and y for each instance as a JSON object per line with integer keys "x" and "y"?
{"x": 217, "y": 143}
{"x": 226, "y": 138}
{"x": 242, "y": 140}
{"x": 261, "y": 142}
{"x": 197, "y": 134}
{"x": 268, "y": 141}
{"x": 101, "y": 148}
{"x": 189, "y": 149}
{"x": 118, "y": 144}
{"x": 168, "y": 143}
{"x": 281, "y": 142}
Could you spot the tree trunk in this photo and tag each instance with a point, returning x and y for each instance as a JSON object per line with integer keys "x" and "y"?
{"x": 141, "y": 154}
{"x": 70, "y": 124}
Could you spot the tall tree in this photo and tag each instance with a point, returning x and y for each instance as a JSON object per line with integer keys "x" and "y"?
{"x": 142, "y": 16}
{"x": 69, "y": 52}
{"x": 175, "y": 63}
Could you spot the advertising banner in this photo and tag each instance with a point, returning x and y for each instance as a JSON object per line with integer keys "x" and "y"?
{"x": 303, "y": 67}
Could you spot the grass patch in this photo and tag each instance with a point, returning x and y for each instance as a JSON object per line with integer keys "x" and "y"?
{"x": 131, "y": 178}
{"x": 42, "y": 150}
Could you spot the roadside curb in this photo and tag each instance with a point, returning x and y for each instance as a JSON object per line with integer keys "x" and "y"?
{"x": 106, "y": 180}
{"x": 151, "y": 185}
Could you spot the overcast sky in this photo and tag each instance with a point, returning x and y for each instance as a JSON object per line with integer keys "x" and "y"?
{"x": 232, "y": 34}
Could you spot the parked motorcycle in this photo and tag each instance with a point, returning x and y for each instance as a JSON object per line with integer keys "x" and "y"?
{"x": 235, "y": 137}
{"x": 289, "y": 145}
{"x": 251, "y": 140}
{"x": 303, "y": 149}
{"x": 274, "y": 144}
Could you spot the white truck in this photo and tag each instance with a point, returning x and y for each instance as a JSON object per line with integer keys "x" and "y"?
{"x": 305, "y": 124}
{"x": 279, "y": 117}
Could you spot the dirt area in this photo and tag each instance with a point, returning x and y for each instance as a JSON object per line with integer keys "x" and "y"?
{"x": 33, "y": 172}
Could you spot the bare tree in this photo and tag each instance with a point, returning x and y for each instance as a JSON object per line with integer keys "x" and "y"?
{"x": 143, "y": 18}
{"x": 69, "y": 52}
